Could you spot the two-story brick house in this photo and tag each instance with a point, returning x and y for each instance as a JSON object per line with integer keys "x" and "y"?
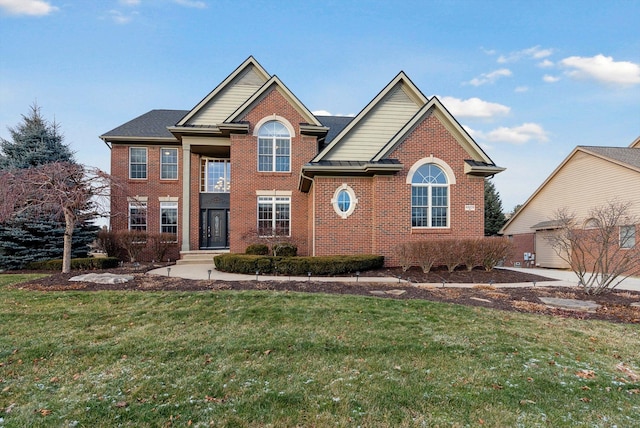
{"x": 251, "y": 160}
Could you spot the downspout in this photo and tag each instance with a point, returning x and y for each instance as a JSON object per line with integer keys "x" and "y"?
{"x": 313, "y": 214}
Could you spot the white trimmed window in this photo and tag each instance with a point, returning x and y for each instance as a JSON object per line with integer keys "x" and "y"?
{"x": 169, "y": 164}
{"x": 274, "y": 216}
{"x": 274, "y": 147}
{"x": 344, "y": 201}
{"x": 169, "y": 218}
{"x": 138, "y": 163}
{"x": 429, "y": 197}
{"x": 138, "y": 216}
{"x": 627, "y": 237}
{"x": 215, "y": 176}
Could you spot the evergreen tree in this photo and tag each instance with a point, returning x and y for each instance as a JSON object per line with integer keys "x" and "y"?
{"x": 494, "y": 218}
{"x": 30, "y": 237}
{"x": 35, "y": 142}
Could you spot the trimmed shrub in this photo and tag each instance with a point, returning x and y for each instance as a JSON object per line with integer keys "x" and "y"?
{"x": 495, "y": 251}
{"x": 89, "y": 263}
{"x": 284, "y": 249}
{"x": 133, "y": 242}
{"x": 107, "y": 241}
{"x": 405, "y": 253}
{"x": 160, "y": 244}
{"x": 426, "y": 254}
{"x": 257, "y": 249}
{"x": 471, "y": 252}
{"x": 297, "y": 266}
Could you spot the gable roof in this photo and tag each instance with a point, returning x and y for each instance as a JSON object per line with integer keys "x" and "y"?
{"x": 635, "y": 144}
{"x": 479, "y": 164}
{"x": 150, "y": 126}
{"x": 379, "y": 121}
{"x": 335, "y": 124}
{"x": 626, "y": 157}
{"x": 274, "y": 83}
{"x": 228, "y": 95}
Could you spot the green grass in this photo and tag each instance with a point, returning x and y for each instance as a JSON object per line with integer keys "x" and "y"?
{"x": 285, "y": 359}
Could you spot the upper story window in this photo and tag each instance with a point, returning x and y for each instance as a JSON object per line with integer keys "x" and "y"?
{"x": 429, "y": 197}
{"x": 215, "y": 176}
{"x": 169, "y": 164}
{"x": 138, "y": 162}
{"x": 274, "y": 147}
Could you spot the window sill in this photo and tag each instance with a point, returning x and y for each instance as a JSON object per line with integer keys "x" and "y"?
{"x": 430, "y": 230}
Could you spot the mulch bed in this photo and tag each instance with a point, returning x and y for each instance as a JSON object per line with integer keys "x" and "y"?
{"x": 615, "y": 305}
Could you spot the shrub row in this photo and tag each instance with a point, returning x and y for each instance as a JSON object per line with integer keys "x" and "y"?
{"x": 470, "y": 253}
{"x": 88, "y": 263}
{"x": 131, "y": 243}
{"x": 317, "y": 266}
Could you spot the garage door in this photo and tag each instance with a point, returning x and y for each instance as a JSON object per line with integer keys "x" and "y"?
{"x": 545, "y": 255}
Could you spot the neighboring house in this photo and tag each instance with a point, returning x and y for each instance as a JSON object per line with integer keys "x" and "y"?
{"x": 588, "y": 178}
{"x": 251, "y": 160}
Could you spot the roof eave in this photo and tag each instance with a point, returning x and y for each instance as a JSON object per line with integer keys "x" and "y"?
{"x": 309, "y": 172}
{"x": 129, "y": 139}
{"x": 482, "y": 171}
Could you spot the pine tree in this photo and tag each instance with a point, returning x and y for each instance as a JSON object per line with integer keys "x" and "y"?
{"x": 35, "y": 142}
{"x": 30, "y": 237}
{"x": 494, "y": 218}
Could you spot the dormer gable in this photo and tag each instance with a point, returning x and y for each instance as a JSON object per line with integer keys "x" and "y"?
{"x": 377, "y": 123}
{"x": 232, "y": 92}
{"x": 274, "y": 83}
{"x": 477, "y": 164}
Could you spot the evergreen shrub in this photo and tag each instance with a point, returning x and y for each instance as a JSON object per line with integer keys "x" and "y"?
{"x": 297, "y": 266}
{"x": 257, "y": 250}
{"x": 88, "y": 263}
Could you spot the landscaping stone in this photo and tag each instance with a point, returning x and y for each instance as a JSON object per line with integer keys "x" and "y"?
{"x": 102, "y": 278}
{"x": 480, "y": 299}
{"x": 571, "y": 304}
{"x": 635, "y": 305}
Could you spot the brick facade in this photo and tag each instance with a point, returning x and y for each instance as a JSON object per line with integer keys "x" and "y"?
{"x": 381, "y": 218}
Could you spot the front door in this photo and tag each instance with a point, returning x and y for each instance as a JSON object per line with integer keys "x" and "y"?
{"x": 213, "y": 228}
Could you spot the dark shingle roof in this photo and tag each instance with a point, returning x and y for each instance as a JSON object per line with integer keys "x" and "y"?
{"x": 335, "y": 125}
{"x": 625, "y": 155}
{"x": 152, "y": 125}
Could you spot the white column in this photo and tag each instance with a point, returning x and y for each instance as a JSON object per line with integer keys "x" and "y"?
{"x": 186, "y": 195}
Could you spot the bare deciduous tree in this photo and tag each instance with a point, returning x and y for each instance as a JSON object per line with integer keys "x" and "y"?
{"x": 60, "y": 189}
{"x": 601, "y": 249}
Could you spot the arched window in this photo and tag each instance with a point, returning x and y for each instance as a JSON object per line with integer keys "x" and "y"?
{"x": 274, "y": 147}
{"x": 429, "y": 197}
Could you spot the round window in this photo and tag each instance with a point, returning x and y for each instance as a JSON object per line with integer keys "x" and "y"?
{"x": 344, "y": 201}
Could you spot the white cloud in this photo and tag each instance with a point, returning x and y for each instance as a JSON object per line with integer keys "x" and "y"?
{"x": 535, "y": 52}
{"x": 516, "y": 135}
{"x": 27, "y": 7}
{"x": 130, "y": 2}
{"x": 192, "y": 3}
{"x": 550, "y": 79}
{"x": 545, "y": 64}
{"x": 321, "y": 113}
{"x": 473, "y": 107}
{"x": 120, "y": 18}
{"x": 490, "y": 77}
{"x": 522, "y": 89}
{"x": 603, "y": 69}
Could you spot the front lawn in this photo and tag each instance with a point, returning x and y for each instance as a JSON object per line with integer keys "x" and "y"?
{"x": 286, "y": 359}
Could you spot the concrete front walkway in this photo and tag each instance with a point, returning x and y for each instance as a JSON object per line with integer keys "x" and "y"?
{"x": 562, "y": 278}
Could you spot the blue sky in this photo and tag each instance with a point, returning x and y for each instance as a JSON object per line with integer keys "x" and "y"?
{"x": 529, "y": 80}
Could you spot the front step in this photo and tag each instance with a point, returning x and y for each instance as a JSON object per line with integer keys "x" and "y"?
{"x": 198, "y": 256}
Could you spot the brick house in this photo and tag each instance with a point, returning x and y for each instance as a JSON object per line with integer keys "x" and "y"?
{"x": 251, "y": 160}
